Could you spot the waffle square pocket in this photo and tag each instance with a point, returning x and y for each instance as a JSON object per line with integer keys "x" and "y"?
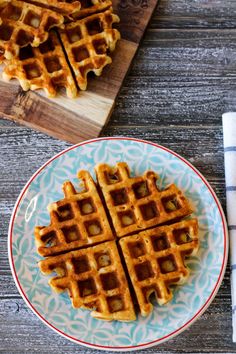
{"x": 77, "y": 220}
{"x": 95, "y": 280}
{"x": 136, "y": 203}
{"x": 155, "y": 260}
{"x": 23, "y": 24}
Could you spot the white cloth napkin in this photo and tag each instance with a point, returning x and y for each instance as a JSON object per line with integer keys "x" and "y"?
{"x": 229, "y": 131}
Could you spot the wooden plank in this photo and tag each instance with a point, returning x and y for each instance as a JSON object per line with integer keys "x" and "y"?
{"x": 35, "y": 111}
{"x": 134, "y": 17}
{"x": 203, "y": 146}
{"x": 181, "y": 14}
{"x": 178, "y": 76}
{"x": 84, "y": 117}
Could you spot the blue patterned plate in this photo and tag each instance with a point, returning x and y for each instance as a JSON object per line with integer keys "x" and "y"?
{"x": 190, "y": 300}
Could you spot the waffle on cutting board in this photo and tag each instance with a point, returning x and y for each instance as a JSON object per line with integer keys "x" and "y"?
{"x": 52, "y": 44}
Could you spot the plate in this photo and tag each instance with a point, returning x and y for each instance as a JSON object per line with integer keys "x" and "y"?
{"x": 190, "y": 300}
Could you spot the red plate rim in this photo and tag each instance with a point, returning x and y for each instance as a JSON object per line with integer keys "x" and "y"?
{"x": 131, "y": 347}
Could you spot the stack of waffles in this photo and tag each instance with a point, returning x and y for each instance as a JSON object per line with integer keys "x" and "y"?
{"x": 119, "y": 233}
{"x": 51, "y": 44}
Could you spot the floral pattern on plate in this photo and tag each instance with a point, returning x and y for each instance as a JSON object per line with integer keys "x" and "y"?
{"x": 189, "y": 300}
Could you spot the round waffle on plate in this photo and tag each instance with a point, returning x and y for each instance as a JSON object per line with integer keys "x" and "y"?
{"x": 189, "y": 301}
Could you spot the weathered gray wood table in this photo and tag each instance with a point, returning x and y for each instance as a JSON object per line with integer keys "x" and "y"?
{"x": 183, "y": 78}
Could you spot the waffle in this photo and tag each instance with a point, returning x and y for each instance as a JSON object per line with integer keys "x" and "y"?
{"x": 155, "y": 260}
{"x": 95, "y": 280}
{"x": 90, "y": 7}
{"x": 135, "y": 203}
{"x": 61, "y": 6}
{"x": 43, "y": 67}
{"x": 87, "y": 43}
{"x": 2, "y": 50}
{"x": 77, "y": 220}
{"x": 24, "y": 24}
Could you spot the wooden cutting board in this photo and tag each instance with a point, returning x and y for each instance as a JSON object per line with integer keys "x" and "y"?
{"x": 84, "y": 117}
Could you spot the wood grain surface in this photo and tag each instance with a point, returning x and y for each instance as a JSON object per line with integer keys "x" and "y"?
{"x": 83, "y": 117}
{"x": 182, "y": 79}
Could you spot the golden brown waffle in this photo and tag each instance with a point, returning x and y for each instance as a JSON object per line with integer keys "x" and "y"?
{"x": 24, "y": 24}
{"x": 77, "y": 220}
{"x": 87, "y": 43}
{"x": 135, "y": 203}
{"x": 95, "y": 280}
{"x": 90, "y": 7}
{"x": 155, "y": 260}
{"x": 2, "y": 50}
{"x": 62, "y": 6}
{"x": 43, "y": 67}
